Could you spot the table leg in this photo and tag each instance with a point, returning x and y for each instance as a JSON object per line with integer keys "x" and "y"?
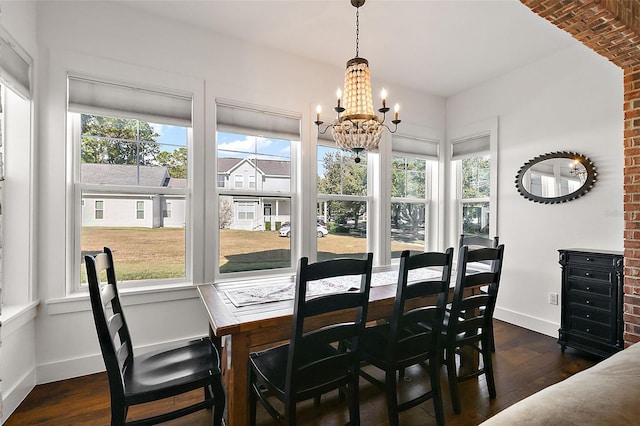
{"x": 236, "y": 379}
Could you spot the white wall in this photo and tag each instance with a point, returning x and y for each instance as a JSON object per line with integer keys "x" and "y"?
{"x": 571, "y": 101}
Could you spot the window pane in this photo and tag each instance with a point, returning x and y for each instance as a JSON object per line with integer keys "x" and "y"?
{"x": 408, "y": 177}
{"x": 120, "y": 151}
{"x": 255, "y": 163}
{"x": 475, "y": 177}
{"x": 346, "y": 222}
{"x": 249, "y": 237}
{"x": 152, "y": 248}
{"x": 475, "y": 219}
{"x": 338, "y": 173}
{"x": 407, "y": 228}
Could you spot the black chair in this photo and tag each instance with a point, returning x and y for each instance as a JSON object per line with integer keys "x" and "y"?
{"x": 401, "y": 343}
{"x": 475, "y": 242}
{"x": 468, "y": 323}
{"x": 154, "y": 375}
{"x": 311, "y": 364}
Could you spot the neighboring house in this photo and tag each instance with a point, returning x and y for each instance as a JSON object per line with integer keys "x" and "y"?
{"x": 132, "y": 210}
{"x": 255, "y": 212}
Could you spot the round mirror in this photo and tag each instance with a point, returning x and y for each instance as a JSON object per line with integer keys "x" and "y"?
{"x": 556, "y": 177}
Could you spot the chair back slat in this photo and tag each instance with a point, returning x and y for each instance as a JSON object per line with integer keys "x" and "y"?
{"x": 428, "y": 301}
{"x": 472, "y": 310}
{"x": 111, "y": 326}
{"x": 307, "y": 335}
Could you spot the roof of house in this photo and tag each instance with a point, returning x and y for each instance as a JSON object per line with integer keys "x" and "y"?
{"x": 267, "y": 167}
{"x": 124, "y": 174}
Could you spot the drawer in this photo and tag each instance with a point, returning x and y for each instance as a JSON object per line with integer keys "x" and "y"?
{"x": 589, "y": 300}
{"x": 590, "y": 328}
{"x": 590, "y": 273}
{"x": 602, "y": 261}
{"x": 586, "y": 286}
{"x": 589, "y": 313}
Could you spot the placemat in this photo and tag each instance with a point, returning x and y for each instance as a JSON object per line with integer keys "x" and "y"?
{"x": 279, "y": 292}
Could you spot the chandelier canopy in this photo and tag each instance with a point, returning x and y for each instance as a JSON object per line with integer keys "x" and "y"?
{"x": 357, "y": 127}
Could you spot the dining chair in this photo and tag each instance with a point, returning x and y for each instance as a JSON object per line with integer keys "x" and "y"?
{"x": 475, "y": 242}
{"x": 155, "y": 375}
{"x": 400, "y": 343}
{"x": 312, "y": 364}
{"x": 468, "y": 323}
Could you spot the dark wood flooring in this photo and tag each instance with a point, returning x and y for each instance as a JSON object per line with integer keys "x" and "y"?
{"x": 524, "y": 363}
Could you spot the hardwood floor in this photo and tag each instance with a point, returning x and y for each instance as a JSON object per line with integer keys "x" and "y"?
{"x": 524, "y": 363}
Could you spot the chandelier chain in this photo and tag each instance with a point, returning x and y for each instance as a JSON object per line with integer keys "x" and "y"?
{"x": 357, "y": 31}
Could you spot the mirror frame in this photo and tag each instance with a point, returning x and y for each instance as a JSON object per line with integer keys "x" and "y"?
{"x": 586, "y": 187}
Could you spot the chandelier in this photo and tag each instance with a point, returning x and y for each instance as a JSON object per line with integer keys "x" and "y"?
{"x": 357, "y": 127}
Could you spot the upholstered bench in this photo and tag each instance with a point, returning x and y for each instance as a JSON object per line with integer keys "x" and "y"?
{"x": 606, "y": 394}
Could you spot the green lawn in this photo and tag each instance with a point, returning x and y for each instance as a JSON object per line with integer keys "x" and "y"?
{"x": 143, "y": 253}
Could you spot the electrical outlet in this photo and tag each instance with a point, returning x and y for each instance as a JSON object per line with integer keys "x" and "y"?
{"x": 553, "y": 298}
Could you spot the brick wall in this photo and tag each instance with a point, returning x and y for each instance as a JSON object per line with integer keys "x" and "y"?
{"x": 612, "y": 29}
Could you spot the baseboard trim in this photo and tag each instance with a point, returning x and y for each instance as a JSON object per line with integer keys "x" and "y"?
{"x": 90, "y": 364}
{"x": 12, "y": 398}
{"x": 536, "y": 324}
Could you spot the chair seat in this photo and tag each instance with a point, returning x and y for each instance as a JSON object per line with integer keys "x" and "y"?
{"x": 167, "y": 372}
{"x": 269, "y": 365}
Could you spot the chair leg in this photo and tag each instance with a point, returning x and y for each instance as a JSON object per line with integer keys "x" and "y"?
{"x": 220, "y": 402}
{"x": 392, "y": 397}
{"x": 118, "y": 414}
{"x": 354, "y": 399}
{"x": 253, "y": 399}
{"x": 492, "y": 339}
{"x": 436, "y": 389}
{"x": 488, "y": 367}
{"x": 453, "y": 379}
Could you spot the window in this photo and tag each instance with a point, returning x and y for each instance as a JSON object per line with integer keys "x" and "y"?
{"x": 140, "y": 210}
{"x": 99, "y": 209}
{"x": 473, "y": 175}
{"x": 342, "y": 203}
{"x": 221, "y": 180}
{"x": 239, "y": 181}
{"x": 257, "y": 145}
{"x": 128, "y": 149}
{"x": 410, "y": 180}
{"x": 16, "y": 174}
{"x": 246, "y": 211}
{"x": 166, "y": 212}
{"x": 414, "y": 189}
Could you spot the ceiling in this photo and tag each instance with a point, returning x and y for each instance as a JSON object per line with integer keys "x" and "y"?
{"x": 438, "y": 47}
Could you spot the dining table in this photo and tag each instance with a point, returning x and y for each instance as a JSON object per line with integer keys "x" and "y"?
{"x": 237, "y": 329}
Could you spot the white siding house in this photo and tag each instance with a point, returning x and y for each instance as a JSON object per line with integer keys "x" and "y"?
{"x": 131, "y": 210}
{"x": 255, "y": 212}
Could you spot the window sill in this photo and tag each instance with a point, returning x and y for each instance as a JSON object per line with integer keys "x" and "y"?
{"x": 79, "y": 302}
{"x": 15, "y": 316}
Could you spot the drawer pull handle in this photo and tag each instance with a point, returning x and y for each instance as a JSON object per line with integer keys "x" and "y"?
{"x": 589, "y": 259}
{"x": 588, "y": 330}
{"x": 587, "y": 274}
{"x": 588, "y": 302}
{"x": 588, "y": 288}
{"x": 588, "y": 316}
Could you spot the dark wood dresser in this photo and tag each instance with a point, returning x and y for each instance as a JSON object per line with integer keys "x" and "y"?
{"x": 591, "y": 317}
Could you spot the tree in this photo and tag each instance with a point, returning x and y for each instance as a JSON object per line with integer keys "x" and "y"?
{"x": 226, "y": 214}
{"x": 475, "y": 177}
{"x": 109, "y": 140}
{"x": 175, "y": 161}
{"x": 344, "y": 176}
{"x": 408, "y": 180}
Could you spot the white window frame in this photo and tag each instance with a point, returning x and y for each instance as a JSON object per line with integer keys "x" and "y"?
{"x": 430, "y": 188}
{"x": 256, "y": 129}
{"x": 367, "y": 199}
{"x": 96, "y": 209}
{"x": 488, "y": 128}
{"x": 139, "y": 210}
{"x": 73, "y": 118}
